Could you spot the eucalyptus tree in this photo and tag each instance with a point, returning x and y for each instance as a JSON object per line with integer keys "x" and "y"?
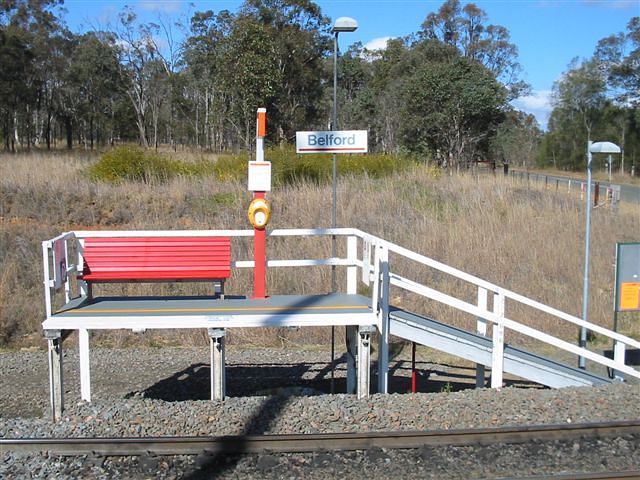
{"x": 139, "y": 57}
{"x": 203, "y": 51}
{"x": 16, "y": 59}
{"x": 452, "y": 106}
{"x": 298, "y": 32}
{"x": 91, "y": 86}
{"x": 268, "y": 54}
{"x": 597, "y": 98}
{"x": 32, "y": 37}
{"x": 517, "y": 139}
{"x": 466, "y": 29}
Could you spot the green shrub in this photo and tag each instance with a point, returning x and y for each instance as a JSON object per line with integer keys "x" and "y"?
{"x": 138, "y": 165}
{"x": 231, "y": 168}
{"x": 290, "y": 167}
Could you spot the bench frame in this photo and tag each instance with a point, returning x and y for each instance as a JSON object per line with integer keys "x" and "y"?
{"x": 70, "y": 275}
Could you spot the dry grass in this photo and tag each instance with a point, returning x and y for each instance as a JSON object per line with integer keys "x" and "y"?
{"x": 523, "y": 238}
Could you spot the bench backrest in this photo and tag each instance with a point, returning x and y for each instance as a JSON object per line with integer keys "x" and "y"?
{"x": 156, "y": 259}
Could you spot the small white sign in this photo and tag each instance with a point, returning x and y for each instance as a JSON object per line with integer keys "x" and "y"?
{"x": 337, "y": 141}
{"x": 259, "y": 176}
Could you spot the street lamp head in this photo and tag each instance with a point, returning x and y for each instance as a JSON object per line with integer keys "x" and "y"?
{"x": 604, "y": 147}
{"x": 344, "y": 24}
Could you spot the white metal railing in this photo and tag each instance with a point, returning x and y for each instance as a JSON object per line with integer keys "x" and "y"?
{"x": 378, "y": 273}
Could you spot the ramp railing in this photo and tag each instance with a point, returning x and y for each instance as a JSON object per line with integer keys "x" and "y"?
{"x": 384, "y": 276}
{"x": 375, "y": 258}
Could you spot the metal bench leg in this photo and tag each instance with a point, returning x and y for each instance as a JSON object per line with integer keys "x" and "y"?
{"x": 56, "y": 390}
{"x": 364, "y": 360}
{"x": 218, "y": 289}
{"x": 216, "y": 337}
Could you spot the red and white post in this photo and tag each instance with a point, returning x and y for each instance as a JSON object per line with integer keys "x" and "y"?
{"x": 260, "y": 234}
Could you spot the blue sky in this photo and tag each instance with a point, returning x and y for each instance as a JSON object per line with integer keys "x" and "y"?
{"x": 548, "y": 33}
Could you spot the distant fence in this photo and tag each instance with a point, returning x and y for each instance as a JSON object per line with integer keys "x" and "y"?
{"x": 603, "y": 194}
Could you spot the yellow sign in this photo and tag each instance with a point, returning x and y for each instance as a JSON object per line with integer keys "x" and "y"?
{"x": 630, "y": 296}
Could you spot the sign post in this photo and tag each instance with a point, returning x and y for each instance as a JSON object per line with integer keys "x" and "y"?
{"x": 259, "y": 210}
{"x": 333, "y": 141}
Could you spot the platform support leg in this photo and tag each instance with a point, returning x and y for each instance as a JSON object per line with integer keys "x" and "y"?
{"x": 85, "y": 364}
{"x": 364, "y": 360}
{"x": 383, "y": 343}
{"x": 481, "y": 329}
{"x": 216, "y": 337}
{"x": 352, "y": 354}
{"x": 56, "y": 391}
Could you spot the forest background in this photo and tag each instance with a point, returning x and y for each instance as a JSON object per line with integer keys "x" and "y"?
{"x": 441, "y": 95}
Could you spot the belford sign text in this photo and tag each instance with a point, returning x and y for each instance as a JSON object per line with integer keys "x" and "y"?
{"x": 345, "y": 141}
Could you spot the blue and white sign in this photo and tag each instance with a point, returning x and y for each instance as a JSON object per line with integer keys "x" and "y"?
{"x": 338, "y": 141}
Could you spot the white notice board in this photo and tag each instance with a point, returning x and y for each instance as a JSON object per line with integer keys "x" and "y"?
{"x": 259, "y": 177}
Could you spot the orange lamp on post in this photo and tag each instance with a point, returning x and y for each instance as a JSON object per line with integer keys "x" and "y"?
{"x": 260, "y": 210}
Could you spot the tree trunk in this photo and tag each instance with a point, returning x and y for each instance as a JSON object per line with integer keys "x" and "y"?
{"x": 69, "y": 129}
{"x": 48, "y": 131}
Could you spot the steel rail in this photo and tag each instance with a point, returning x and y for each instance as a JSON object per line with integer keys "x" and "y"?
{"x": 293, "y": 443}
{"x": 583, "y": 476}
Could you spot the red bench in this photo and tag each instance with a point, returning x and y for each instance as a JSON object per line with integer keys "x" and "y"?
{"x": 156, "y": 259}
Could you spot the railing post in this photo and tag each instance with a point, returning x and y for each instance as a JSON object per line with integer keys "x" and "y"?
{"x": 481, "y": 329}
{"x": 619, "y": 356}
{"x": 84, "y": 287}
{"x": 352, "y": 270}
{"x": 375, "y": 288}
{"x": 383, "y": 313}
{"x": 497, "y": 355}
{"x": 46, "y": 275}
{"x": 351, "y": 331}
{"x": 366, "y": 261}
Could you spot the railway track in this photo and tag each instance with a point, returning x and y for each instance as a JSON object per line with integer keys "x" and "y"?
{"x": 296, "y": 443}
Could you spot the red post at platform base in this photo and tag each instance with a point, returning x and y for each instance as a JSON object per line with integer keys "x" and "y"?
{"x": 260, "y": 258}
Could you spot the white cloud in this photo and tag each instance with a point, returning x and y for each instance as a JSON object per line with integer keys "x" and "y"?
{"x": 164, "y": 6}
{"x": 615, "y": 4}
{"x": 538, "y": 104}
{"x": 538, "y": 100}
{"x": 377, "y": 43}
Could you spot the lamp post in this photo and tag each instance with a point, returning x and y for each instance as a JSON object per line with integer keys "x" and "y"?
{"x": 342, "y": 24}
{"x": 598, "y": 147}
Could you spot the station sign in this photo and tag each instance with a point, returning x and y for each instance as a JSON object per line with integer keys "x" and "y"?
{"x": 336, "y": 141}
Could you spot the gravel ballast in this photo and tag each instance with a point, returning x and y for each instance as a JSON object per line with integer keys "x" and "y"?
{"x": 160, "y": 392}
